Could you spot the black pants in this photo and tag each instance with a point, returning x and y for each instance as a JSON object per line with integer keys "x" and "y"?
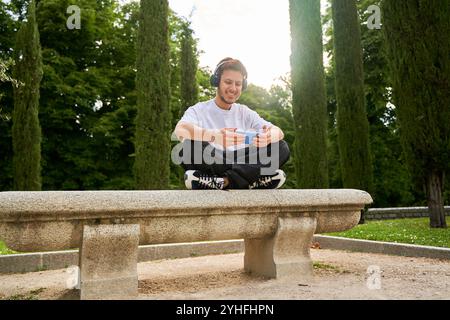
{"x": 242, "y": 167}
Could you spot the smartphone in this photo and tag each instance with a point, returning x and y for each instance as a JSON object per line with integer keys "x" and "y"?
{"x": 249, "y": 135}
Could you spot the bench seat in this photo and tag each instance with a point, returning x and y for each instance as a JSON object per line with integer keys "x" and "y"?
{"x": 277, "y": 226}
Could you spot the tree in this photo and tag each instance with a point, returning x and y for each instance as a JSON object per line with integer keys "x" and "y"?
{"x": 153, "y": 118}
{"x": 8, "y": 30}
{"x": 392, "y": 182}
{"x": 417, "y": 49}
{"x": 6, "y": 178}
{"x": 5, "y": 65}
{"x": 309, "y": 99}
{"x": 88, "y": 93}
{"x": 87, "y": 76}
{"x": 352, "y": 123}
{"x": 189, "y": 64}
{"x": 26, "y": 131}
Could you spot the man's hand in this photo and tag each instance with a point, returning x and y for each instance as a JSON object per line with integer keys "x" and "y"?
{"x": 227, "y": 137}
{"x": 268, "y": 136}
{"x": 263, "y": 139}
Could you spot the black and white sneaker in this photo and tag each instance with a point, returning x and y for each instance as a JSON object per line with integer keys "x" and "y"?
{"x": 274, "y": 181}
{"x": 196, "y": 180}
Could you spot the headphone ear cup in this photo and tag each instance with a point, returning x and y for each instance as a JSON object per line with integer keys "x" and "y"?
{"x": 214, "y": 80}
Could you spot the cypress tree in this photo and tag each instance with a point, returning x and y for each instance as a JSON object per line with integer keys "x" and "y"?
{"x": 26, "y": 130}
{"x": 189, "y": 63}
{"x": 418, "y": 49}
{"x": 153, "y": 120}
{"x": 352, "y": 123}
{"x": 309, "y": 97}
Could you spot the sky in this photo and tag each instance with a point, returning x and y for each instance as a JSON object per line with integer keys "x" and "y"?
{"x": 253, "y": 31}
{"x": 256, "y": 32}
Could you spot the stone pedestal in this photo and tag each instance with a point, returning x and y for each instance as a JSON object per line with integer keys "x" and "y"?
{"x": 286, "y": 254}
{"x": 108, "y": 262}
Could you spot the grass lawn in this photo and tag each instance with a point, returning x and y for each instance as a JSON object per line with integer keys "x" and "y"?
{"x": 412, "y": 231}
{"x": 4, "y": 249}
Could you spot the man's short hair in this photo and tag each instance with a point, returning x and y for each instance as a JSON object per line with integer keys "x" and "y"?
{"x": 232, "y": 64}
{"x": 228, "y": 64}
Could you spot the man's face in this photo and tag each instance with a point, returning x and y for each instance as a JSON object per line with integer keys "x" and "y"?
{"x": 230, "y": 87}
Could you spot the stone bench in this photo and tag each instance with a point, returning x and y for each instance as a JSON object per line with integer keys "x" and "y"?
{"x": 108, "y": 226}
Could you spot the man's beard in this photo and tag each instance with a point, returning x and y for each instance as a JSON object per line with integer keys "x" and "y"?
{"x": 224, "y": 100}
{"x": 222, "y": 97}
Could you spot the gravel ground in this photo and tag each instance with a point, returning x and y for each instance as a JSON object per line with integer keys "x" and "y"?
{"x": 337, "y": 275}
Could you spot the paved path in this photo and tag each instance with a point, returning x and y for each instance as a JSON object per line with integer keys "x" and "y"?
{"x": 337, "y": 275}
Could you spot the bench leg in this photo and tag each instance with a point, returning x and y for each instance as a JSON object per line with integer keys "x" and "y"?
{"x": 108, "y": 262}
{"x": 284, "y": 255}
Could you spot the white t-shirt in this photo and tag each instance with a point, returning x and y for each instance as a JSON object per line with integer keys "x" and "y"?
{"x": 208, "y": 115}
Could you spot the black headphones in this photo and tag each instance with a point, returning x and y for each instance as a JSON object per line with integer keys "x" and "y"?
{"x": 215, "y": 78}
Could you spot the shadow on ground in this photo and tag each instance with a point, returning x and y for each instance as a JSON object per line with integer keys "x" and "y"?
{"x": 197, "y": 282}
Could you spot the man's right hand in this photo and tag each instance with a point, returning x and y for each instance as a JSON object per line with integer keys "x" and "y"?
{"x": 225, "y": 137}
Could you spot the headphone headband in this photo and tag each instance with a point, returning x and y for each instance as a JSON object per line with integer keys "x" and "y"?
{"x": 215, "y": 78}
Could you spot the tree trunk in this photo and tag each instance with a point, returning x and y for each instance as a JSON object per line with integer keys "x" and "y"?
{"x": 435, "y": 185}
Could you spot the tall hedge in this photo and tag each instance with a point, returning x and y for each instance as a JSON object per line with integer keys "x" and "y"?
{"x": 153, "y": 120}
{"x": 26, "y": 130}
{"x": 309, "y": 96}
{"x": 352, "y": 123}
{"x": 418, "y": 47}
{"x": 189, "y": 64}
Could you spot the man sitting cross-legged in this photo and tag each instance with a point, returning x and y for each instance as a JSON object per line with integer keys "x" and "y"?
{"x": 226, "y": 145}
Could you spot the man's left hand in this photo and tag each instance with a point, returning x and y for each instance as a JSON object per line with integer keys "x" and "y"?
{"x": 268, "y": 136}
{"x": 263, "y": 139}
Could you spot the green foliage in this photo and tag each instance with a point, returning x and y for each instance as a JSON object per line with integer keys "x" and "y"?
{"x": 352, "y": 123}
{"x": 88, "y": 100}
{"x": 207, "y": 92}
{"x": 309, "y": 99}
{"x": 4, "y": 76}
{"x": 392, "y": 182}
{"x": 153, "y": 119}
{"x": 411, "y": 231}
{"x": 189, "y": 65}
{"x": 88, "y": 95}
{"x": 184, "y": 83}
{"x": 4, "y": 250}
{"x": 328, "y": 267}
{"x": 26, "y": 131}
{"x": 417, "y": 46}
{"x": 176, "y": 27}
{"x": 276, "y": 107}
{"x": 31, "y": 295}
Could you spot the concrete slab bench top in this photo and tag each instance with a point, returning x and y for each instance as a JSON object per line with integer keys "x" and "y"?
{"x": 277, "y": 225}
